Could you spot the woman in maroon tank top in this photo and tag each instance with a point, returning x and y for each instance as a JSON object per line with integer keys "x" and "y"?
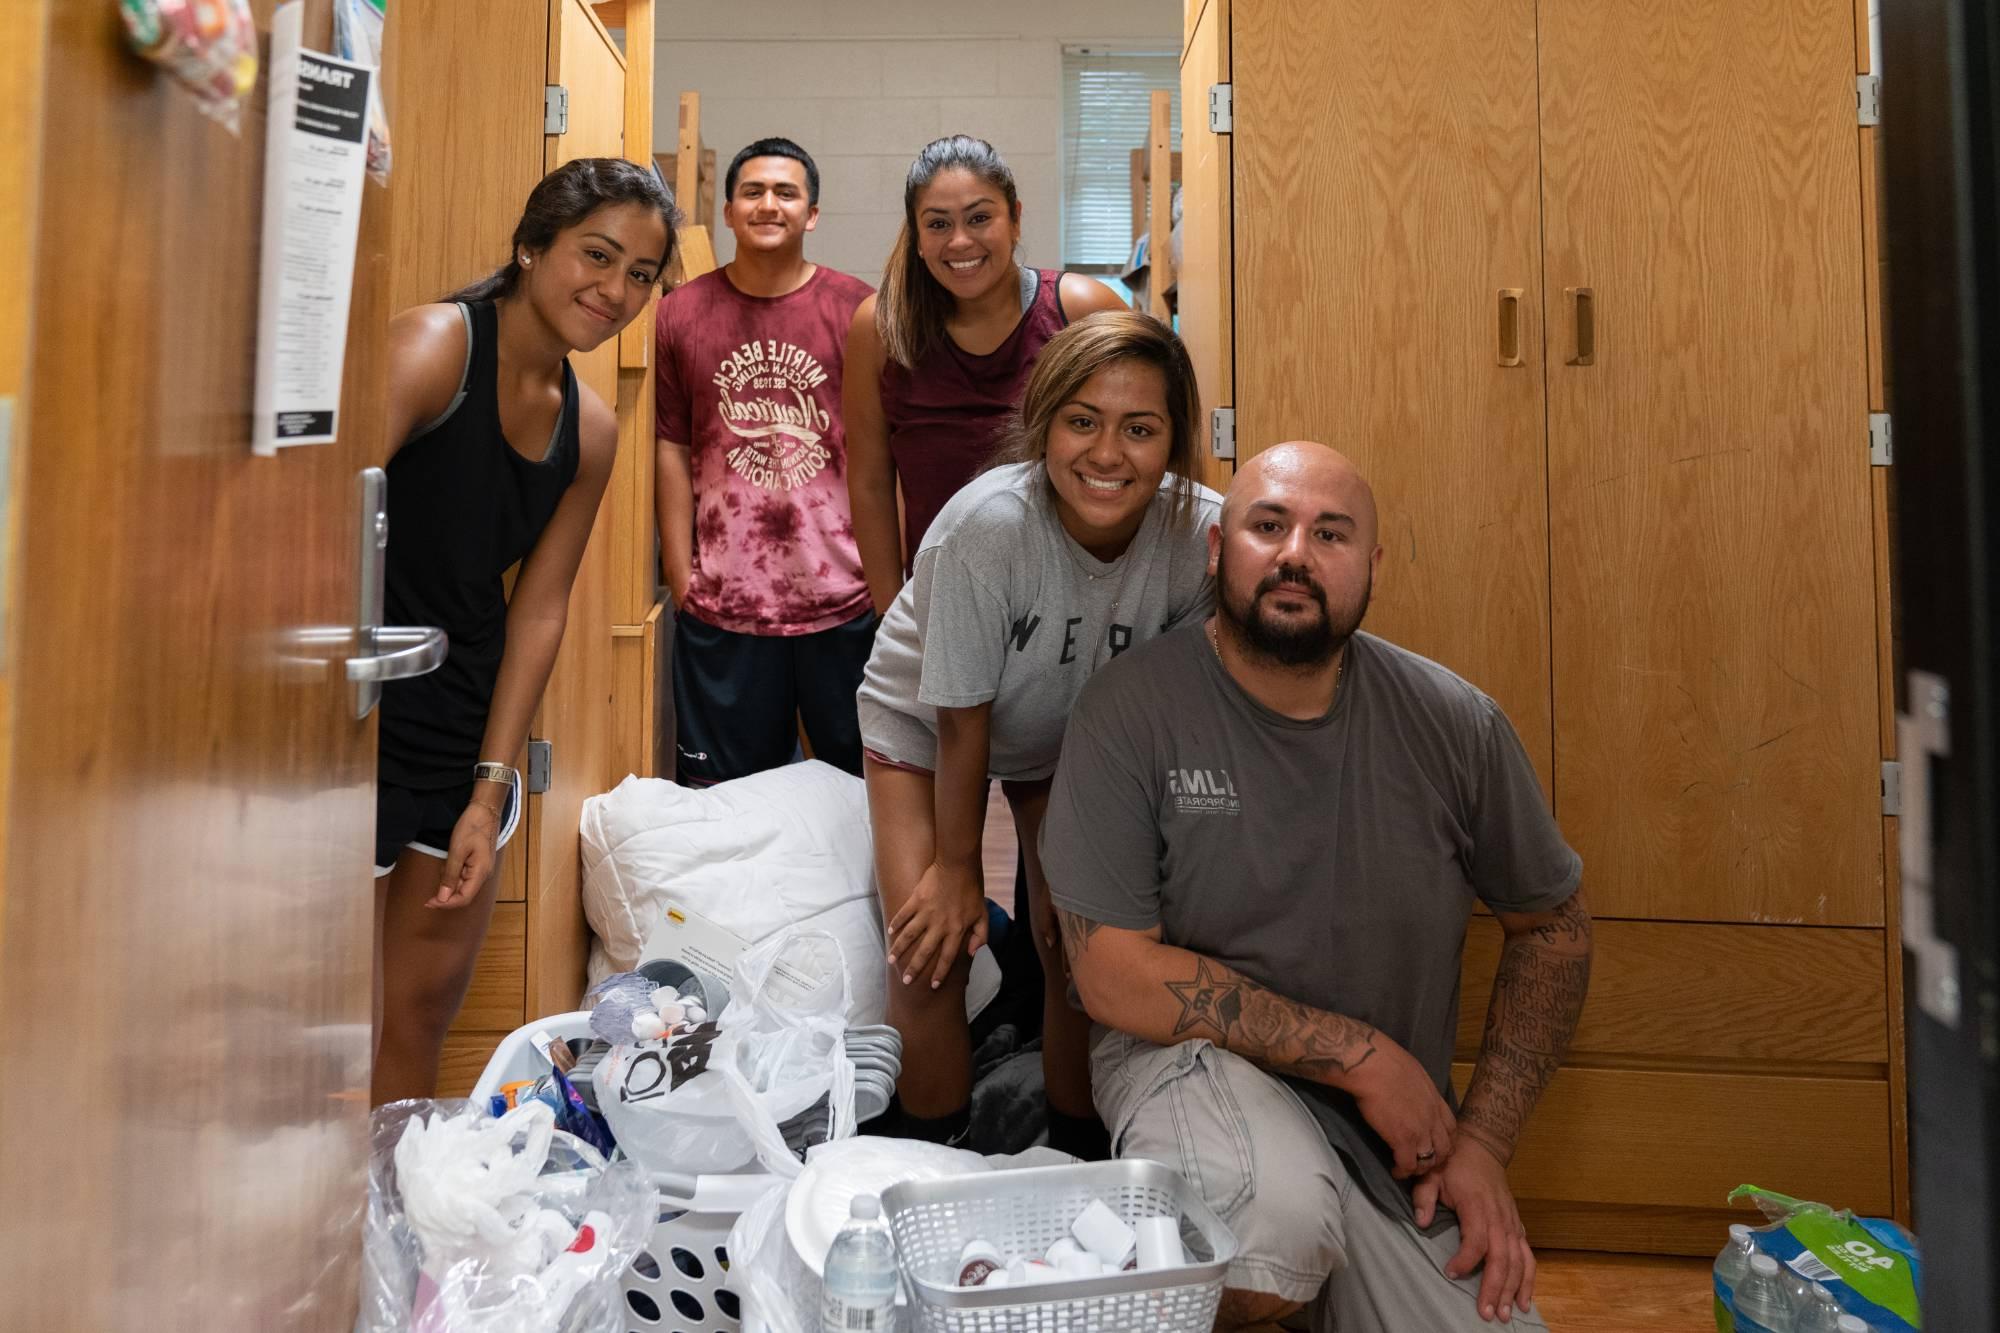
{"x": 937, "y": 360}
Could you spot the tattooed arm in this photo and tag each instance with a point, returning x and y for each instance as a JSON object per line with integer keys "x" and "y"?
{"x": 1538, "y": 993}
{"x": 1132, "y": 981}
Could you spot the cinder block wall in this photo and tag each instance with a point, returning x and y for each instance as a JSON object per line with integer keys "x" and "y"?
{"x": 863, "y": 84}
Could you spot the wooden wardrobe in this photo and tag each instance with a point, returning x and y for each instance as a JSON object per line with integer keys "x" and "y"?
{"x": 473, "y": 133}
{"x": 1587, "y": 288}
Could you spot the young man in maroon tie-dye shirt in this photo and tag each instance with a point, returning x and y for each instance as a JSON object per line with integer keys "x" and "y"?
{"x": 774, "y": 621}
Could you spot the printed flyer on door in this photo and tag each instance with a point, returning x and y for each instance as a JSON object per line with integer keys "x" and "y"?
{"x": 314, "y": 164}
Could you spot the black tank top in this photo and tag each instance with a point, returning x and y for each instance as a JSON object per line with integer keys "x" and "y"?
{"x": 464, "y": 507}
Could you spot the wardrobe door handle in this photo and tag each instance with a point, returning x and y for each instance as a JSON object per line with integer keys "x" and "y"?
{"x": 1510, "y": 326}
{"x": 1582, "y": 326}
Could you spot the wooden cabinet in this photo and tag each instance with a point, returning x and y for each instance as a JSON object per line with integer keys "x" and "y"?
{"x": 1713, "y": 595}
{"x": 1580, "y": 285}
{"x": 1373, "y": 235}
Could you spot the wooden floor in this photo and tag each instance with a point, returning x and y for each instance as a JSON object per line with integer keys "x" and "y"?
{"x": 997, "y": 848}
{"x": 1623, "y": 1293}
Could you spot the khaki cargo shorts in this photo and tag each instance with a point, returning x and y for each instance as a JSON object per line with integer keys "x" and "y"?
{"x": 1306, "y": 1231}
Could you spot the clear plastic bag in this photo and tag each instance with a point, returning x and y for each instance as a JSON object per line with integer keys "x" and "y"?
{"x": 478, "y": 1225}
{"x": 767, "y": 1275}
{"x": 782, "y": 1047}
{"x": 779, "y": 1285}
{"x": 209, "y": 45}
{"x": 1869, "y": 1265}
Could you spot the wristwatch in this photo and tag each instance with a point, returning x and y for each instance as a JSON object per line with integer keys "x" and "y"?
{"x": 495, "y": 773}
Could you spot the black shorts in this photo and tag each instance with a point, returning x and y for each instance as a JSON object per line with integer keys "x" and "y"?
{"x": 739, "y": 699}
{"x": 422, "y": 820}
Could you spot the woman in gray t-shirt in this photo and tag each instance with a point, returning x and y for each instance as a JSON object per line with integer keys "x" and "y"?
{"x": 1089, "y": 536}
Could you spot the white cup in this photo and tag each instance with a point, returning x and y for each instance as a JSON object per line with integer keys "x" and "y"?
{"x": 1160, "y": 1243}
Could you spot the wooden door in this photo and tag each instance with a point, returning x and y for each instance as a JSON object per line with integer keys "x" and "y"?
{"x": 575, "y": 717}
{"x": 1206, "y": 266}
{"x": 641, "y": 621}
{"x": 465, "y": 97}
{"x": 21, "y": 47}
{"x": 1717, "y": 748}
{"x": 1384, "y": 187}
{"x": 185, "y": 959}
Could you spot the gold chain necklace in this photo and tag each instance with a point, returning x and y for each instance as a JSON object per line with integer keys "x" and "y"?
{"x": 1338, "y": 672}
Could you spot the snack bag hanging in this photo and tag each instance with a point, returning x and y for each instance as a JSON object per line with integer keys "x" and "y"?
{"x": 210, "y": 46}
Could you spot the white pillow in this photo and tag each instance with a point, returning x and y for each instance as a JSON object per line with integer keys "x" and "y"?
{"x": 789, "y": 846}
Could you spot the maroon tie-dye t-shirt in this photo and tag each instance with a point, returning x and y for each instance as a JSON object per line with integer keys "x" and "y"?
{"x": 751, "y": 384}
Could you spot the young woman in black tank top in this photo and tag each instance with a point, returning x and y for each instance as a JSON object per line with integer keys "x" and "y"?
{"x": 497, "y": 456}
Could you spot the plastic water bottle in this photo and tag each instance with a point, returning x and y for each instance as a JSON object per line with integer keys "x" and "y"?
{"x": 1852, "y": 1323}
{"x": 1798, "y": 1289}
{"x": 1820, "y": 1314}
{"x": 1759, "y": 1297}
{"x": 858, "y": 1292}
{"x": 1734, "y": 1262}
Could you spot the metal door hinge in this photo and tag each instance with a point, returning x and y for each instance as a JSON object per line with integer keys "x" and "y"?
{"x": 1892, "y": 787}
{"x": 1881, "y": 442}
{"x": 1868, "y": 98}
{"x": 1221, "y": 108}
{"x": 541, "y": 766}
{"x": 555, "y": 109}
{"x": 1923, "y": 736}
{"x": 1222, "y": 432}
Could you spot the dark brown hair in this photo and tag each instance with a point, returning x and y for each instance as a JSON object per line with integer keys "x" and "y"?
{"x": 565, "y": 197}
{"x": 1070, "y": 358}
{"x": 911, "y": 308}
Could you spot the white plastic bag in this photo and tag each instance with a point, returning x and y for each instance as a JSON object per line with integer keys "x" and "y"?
{"x": 783, "y": 1041}
{"x": 669, "y": 1107}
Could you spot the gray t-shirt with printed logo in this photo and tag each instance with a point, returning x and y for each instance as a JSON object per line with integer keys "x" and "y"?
{"x": 1334, "y": 861}
{"x": 1003, "y": 605}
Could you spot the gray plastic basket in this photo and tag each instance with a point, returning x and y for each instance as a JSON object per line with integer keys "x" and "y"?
{"x": 1024, "y": 1212}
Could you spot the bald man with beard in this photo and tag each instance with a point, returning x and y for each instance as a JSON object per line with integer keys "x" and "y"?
{"x": 1264, "y": 842}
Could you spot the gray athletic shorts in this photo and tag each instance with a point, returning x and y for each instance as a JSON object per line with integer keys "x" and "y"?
{"x": 1306, "y": 1232}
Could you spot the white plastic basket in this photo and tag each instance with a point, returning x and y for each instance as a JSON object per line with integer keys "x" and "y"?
{"x": 676, "y": 1281}
{"x": 1023, "y": 1212}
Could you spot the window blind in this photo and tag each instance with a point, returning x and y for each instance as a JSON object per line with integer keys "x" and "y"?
{"x": 1107, "y": 96}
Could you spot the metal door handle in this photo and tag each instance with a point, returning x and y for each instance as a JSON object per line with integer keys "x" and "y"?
{"x": 400, "y": 651}
{"x": 1510, "y": 326}
{"x": 1582, "y": 325}
{"x": 394, "y": 652}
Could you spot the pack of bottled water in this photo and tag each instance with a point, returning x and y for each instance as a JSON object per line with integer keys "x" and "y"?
{"x": 1811, "y": 1269}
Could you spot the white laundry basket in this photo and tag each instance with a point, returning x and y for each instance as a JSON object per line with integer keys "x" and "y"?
{"x": 676, "y": 1281}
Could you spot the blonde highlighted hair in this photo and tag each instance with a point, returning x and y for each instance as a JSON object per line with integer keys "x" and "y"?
{"x": 1066, "y": 364}
{"x": 912, "y": 306}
